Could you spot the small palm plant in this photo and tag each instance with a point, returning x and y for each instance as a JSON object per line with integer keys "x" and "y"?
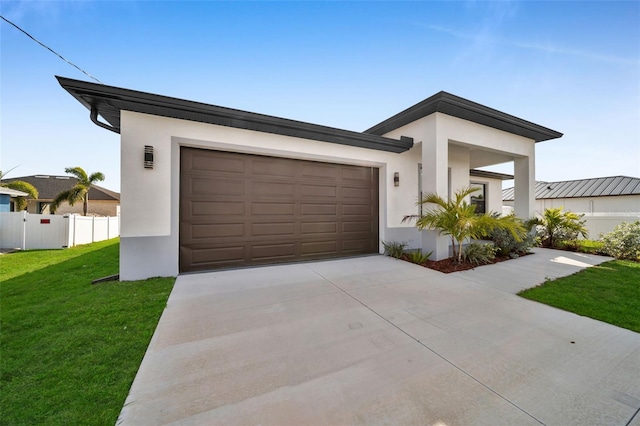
{"x": 458, "y": 219}
{"x": 80, "y": 191}
{"x": 558, "y": 226}
{"x": 18, "y": 185}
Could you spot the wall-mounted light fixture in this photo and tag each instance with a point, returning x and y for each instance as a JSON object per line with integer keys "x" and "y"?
{"x": 396, "y": 179}
{"x": 148, "y": 157}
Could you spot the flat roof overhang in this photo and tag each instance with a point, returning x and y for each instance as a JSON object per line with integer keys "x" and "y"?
{"x": 455, "y": 106}
{"x": 108, "y": 101}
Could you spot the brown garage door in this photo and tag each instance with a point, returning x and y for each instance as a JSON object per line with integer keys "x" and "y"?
{"x": 240, "y": 209}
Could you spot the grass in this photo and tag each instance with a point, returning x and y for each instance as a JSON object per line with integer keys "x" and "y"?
{"x": 609, "y": 292}
{"x": 69, "y": 349}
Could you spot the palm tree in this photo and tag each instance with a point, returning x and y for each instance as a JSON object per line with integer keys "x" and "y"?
{"x": 18, "y": 185}
{"x": 80, "y": 191}
{"x": 558, "y": 226}
{"x": 458, "y": 219}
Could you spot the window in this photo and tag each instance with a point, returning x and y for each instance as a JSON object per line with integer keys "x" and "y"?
{"x": 479, "y": 198}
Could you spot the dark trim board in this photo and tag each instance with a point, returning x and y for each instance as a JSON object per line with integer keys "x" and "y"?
{"x": 465, "y": 109}
{"x": 109, "y": 101}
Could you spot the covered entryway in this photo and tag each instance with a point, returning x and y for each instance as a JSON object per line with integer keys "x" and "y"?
{"x": 241, "y": 209}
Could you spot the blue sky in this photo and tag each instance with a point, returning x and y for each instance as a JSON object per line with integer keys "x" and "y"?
{"x": 570, "y": 66}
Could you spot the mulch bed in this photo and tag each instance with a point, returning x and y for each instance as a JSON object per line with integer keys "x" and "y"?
{"x": 450, "y": 265}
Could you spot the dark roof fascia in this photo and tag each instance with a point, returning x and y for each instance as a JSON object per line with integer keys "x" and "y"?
{"x": 108, "y": 101}
{"x": 489, "y": 175}
{"x": 465, "y": 109}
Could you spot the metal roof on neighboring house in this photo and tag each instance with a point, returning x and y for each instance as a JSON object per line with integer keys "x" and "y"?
{"x": 49, "y": 186}
{"x": 108, "y": 101}
{"x": 595, "y": 187}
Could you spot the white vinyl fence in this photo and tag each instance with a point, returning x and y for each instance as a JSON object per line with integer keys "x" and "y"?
{"x": 603, "y": 223}
{"x": 26, "y": 231}
{"x": 597, "y": 223}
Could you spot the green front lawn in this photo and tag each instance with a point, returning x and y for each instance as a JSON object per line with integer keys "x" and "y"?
{"x": 609, "y": 292}
{"x": 69, "y": 349}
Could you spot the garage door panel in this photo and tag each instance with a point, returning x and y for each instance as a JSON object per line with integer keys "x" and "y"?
{"x": 272, "y": 167}
{"x": 363, "y": 174}
{"x": 320, "y": 171}
{"x": 229, "y": 165}
{"x": 356, "y": 227}
{"x": 273, "y": 251}
{"x": 316, "y": 248}
{"x": 216, "y": 187}
{"x": 318, "y": 191}
{"x": 217, "y": 230}
{"x": 272, "y": 189}
{"x": 212, "y": 257}
{"x": 319, "y": 228}
{"x": 217, "y": 208}
{"x": 356, "y": 210}
{"x": 354, "y": 192}
{"x": 272, "y": 210}
{"x": 318, "y": 209}
{"x": 260, "y": 229}
{"x": 355, "y": 245}
{"x": 277, "y": 209}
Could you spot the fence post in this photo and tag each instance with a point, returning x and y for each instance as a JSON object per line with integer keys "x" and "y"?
{"x": 24, "y": 230}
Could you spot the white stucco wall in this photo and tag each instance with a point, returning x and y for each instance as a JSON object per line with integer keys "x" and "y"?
{"x": 450, "y": 147}
{"x": 150, "y": 198}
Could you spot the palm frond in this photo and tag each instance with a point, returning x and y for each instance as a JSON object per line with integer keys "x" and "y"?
{"x": 19, "y": 185}
{"x": 78, "y": 172}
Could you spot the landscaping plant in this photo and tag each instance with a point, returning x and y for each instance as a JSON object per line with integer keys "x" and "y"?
{"x": 418, "y": 257}
{"x": 394, "y": 249}
{"x": 623, "y": 242}
{"x": 458, "y": 219}
{"x": 558, "y": 228}
{"x": 479, "y": 254}
{"x": 507, "y": 245}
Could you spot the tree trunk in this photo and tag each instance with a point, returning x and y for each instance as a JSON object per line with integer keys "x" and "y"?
{"x": 85, "y": 205}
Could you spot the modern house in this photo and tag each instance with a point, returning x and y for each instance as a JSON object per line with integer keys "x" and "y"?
{"x": 605, "y": 201}
{"x": 206, "y": 187}
{"x": 102, "y": 202}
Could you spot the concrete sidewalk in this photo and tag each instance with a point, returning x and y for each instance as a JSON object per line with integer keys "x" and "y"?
{"x": 531, "y": 270}
{"x": 375, "y": 340}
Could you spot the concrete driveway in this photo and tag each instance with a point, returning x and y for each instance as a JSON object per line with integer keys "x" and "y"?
{"x": 375, "y": 340}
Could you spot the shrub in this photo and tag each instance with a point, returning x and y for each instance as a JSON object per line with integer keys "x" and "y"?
{"x": 507, "y": 245}
{"x": 418, "y": 257}
{"x": 479, "y": 254}
{"x": 394, "y": 249}
{"x": 590, "y": 246}
{"x": 624, "y": 241}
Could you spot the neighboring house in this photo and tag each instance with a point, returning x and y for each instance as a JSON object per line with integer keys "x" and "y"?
{"x": 6, "y": 194}
{"x": 206, "y": 187}
{"x": 605, "y": 201}
{"x": 102, "y": 202}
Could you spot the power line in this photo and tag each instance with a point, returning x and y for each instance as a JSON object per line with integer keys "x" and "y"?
{"x": 50, "y": 49}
